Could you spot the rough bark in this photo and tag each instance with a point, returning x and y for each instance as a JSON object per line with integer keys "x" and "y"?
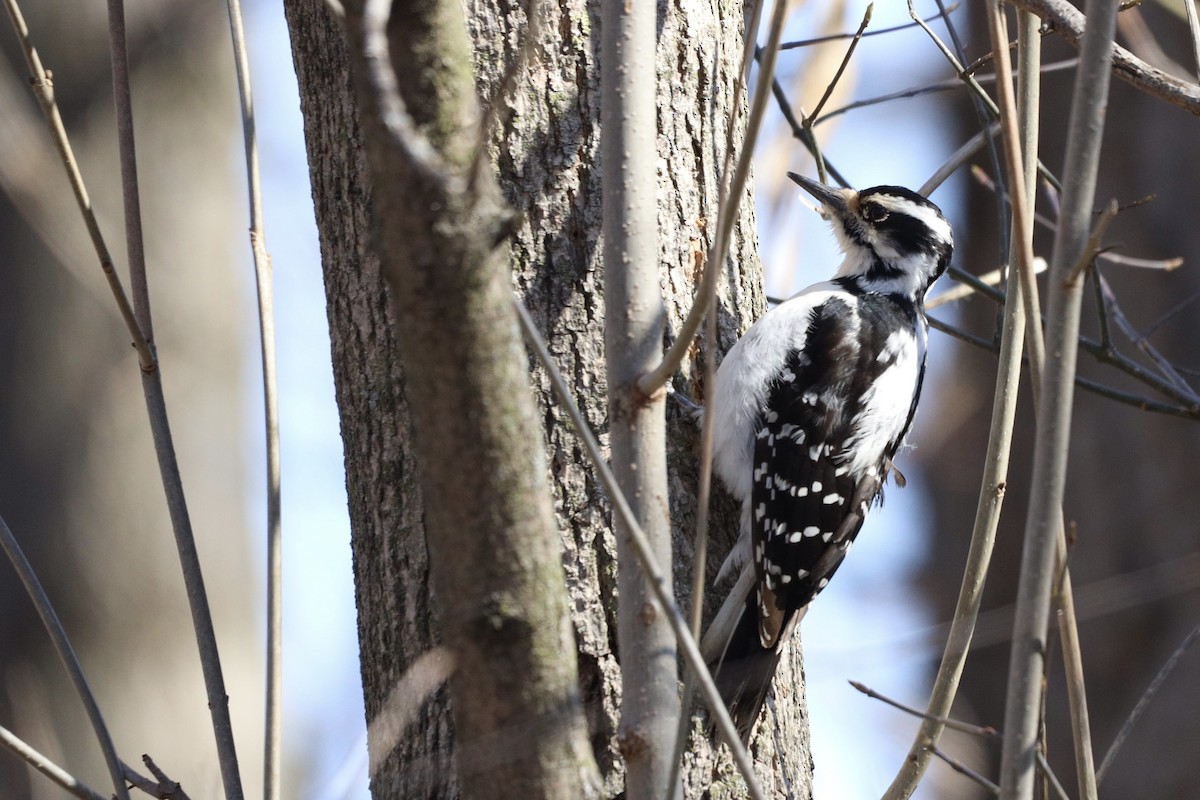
{"x": 395, "y": 610}
{"x": 441, "y": 238}
{"x": 546, "y": 156}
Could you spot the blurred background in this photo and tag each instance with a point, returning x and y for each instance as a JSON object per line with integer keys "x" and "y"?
{"x": 79, "y": 484}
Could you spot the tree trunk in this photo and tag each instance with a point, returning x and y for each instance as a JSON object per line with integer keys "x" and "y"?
{"x": 546, "y": 152}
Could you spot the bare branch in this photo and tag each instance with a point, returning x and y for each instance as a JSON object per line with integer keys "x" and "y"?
{"x": 156, "y": 409}
{"x": 932, "y": 88}
{"x": 837, "y": 37}
{"x": 1163, "y": 264}
{"x": 416, "y": 147}
{"x": 653, "y": 573}
{"x": 161, "y": 787}
{"x": 66, "y": 653}
{"x": 837, "y": 76}
{"x": 1055, "y": 783}
{"x": 962, "y": 291}
{"x": 1172, "y": 313}
{"x": 633, "y": 336}
{"x": 1144, "y": 702}
{"x": 47, "y": 767}
{"x": 1193, "y": 21}
{"x": 1108, "y": 302}
{"x": 1092, "y": 247}
{"x": 1044, "y": 518}
{"x": 1021, "y": 156}
{"x": 43, "y": 90}
{"x": 1069, "y": 23}
{"x": 953, "y": 724}
{"x": 654, "y": 380}
{"x": 799, "y": 132}
{"x": 273, "y": 723}
{"x": 963, "y": 769}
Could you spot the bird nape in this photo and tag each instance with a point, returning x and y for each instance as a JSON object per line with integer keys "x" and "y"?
{"x": 811, "y": 405}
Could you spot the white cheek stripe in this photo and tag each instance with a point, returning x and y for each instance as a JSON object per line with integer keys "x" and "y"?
{"x": 927, "y": 215}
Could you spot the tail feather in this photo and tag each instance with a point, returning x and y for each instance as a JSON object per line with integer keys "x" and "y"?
{"x": 743, "y": 675}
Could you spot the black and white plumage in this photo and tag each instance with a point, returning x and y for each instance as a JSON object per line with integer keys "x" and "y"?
{"x": 812, "y": 403}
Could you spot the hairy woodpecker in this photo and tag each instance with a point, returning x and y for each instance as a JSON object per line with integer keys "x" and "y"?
{"x": 811, "y": 405}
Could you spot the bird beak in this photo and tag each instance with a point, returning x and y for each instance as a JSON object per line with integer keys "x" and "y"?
{"x": 832, "y": 199}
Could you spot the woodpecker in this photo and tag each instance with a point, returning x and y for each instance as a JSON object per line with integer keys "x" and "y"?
{"x": 811, "y": 406}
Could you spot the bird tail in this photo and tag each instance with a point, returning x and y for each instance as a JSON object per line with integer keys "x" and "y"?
{"x": 743, "y": 669}
{"x": 744, "y": 673}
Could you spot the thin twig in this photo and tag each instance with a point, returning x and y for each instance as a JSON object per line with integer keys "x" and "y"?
{"x": 837, "y": 76}
{"x": 1185, "y": 410}
{"x": 1164, "y": 264}
{"x": 963, "y": 769}
{"x": 1068, "y": 634}
{"x": 653, "y": 573}
{"x": 1112, "y": 309}
{"x": 156, "y": 408}
{"x": 993, "y": 278}
{"x": 1021, "y": 156}
{"x": 43, "y": 90}
{"x": 1144, "y": 702}
{"x": 1171, "y": 314}
{"x": 703, "y": 492}
{"x": 1109, "y": 256}
{"x": 1092, "y": 248}
{"x": 66, "y": 653}
{"x": 161, "y": 787}
{"x": 952, "y": 724}
{"x": 1055, "y": 783}
{"x": 799, "y": 132}
{"x": 932, "y": 88}
{"x": 273, "y": 722}
{"x": 1112, "y": 357}
{"x": 654, "y": 380}
{"x": 959, "y": 157}
{"x": 44, "y": 765}
{"x": 1188, "y": 406}
{"x": 838, "y": 37}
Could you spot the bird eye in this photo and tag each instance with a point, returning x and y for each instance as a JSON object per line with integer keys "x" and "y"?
{"x": 873, "y": 212}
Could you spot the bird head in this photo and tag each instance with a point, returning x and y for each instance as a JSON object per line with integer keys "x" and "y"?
{"x": 895, "y": 240}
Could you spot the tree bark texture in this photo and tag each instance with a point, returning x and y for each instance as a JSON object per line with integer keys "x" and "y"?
{"x": 442, "y": 242}
{"x": 396, "y": 621}
{"x": 546, "y": 156}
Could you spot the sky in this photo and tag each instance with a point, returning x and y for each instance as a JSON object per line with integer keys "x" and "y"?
{"x": 323, "y": 704}
{"x": 858, "y": 628}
